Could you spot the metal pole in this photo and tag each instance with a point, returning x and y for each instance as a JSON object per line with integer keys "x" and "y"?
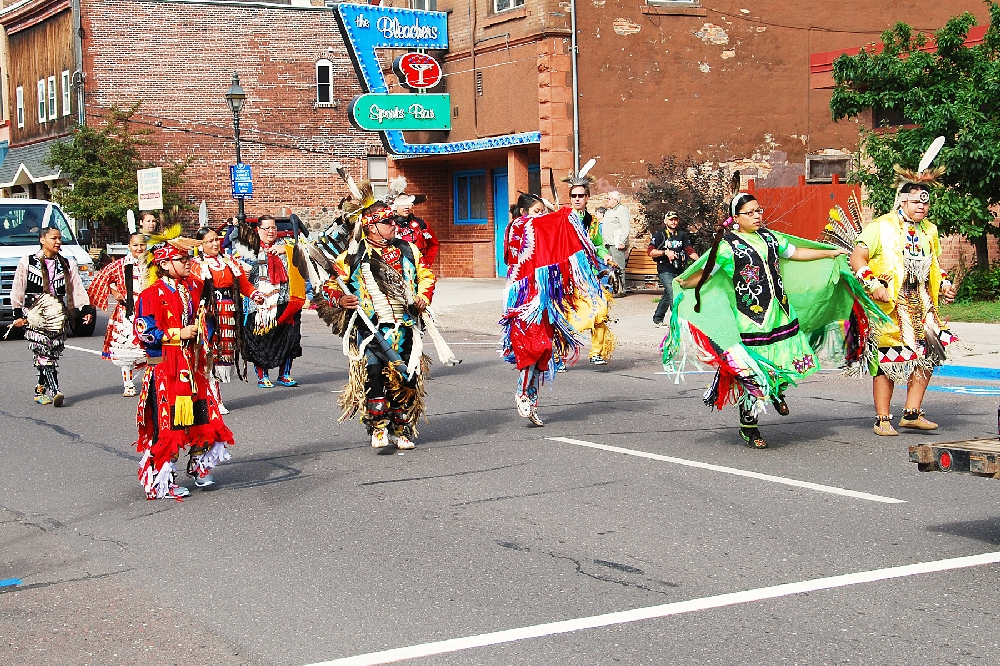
{"x": 576, "y": 92}
{"x": 241, "y": 216}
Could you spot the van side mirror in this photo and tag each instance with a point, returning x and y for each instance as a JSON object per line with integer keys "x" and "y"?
{"x": 84, "y": 236}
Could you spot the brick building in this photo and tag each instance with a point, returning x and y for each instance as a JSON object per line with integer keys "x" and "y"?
{"x": 727, "y": 85}
{"x": 174, "y": 57}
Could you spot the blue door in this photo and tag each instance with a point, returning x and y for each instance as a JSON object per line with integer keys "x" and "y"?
{"x": 501, "y": 217}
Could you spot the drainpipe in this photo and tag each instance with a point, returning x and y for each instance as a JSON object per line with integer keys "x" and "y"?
{"x": 76, "y": 78}
{"x": 576, "y": 92}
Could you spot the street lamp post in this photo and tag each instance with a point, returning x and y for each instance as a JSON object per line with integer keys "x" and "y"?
{"x": 235, "y": 98}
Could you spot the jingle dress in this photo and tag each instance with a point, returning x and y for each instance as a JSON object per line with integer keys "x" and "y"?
{"x": 231, "y": 284}
{"x": 271, "y": 331}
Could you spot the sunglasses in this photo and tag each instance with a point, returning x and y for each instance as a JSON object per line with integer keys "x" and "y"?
{"x": 578, "y": 196}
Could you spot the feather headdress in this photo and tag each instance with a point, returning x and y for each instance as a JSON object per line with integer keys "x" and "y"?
{"x": 362, "y": 208}
{"x": 924, "y": 175}
{"x": 582, "y": 177}
{"x": 167, "y": 245}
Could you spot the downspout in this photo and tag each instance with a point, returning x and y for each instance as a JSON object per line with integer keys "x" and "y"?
{"x": 576, "y": 92}
{"x": 76, "y": 79}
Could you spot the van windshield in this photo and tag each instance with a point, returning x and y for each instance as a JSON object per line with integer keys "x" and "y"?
{"x": 20, "y": 223}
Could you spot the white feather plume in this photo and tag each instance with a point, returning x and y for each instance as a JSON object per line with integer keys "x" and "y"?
{"x": 130, "y": 219}
{"x": 932, "y": 152}
{"x": 587, "y": 167}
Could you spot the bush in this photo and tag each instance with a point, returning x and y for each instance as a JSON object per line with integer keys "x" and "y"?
{"x": 980, "y": 284}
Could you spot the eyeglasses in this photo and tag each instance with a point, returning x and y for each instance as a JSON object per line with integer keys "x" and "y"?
{"x": 754, "y": 213}
{"x": 183, "y": 260}
{"x": 268, "y": 228}
{"x": 579, "y": 196}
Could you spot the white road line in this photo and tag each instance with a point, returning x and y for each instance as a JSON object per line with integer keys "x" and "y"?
{"x": 663, "y": 610}
{"x": 83, "y": 349}
{"x": 732, "y": 470}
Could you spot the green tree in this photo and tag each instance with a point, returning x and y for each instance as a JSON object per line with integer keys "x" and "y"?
{"x": 101, "y": 163}
{"x": 952, "y": 90}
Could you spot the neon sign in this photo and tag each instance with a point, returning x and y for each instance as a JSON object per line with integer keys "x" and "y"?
{"x": 367, "y": 28}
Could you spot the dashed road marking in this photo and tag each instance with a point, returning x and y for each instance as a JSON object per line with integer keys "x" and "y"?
{"x": 734, "y": 471}
{"x": 84, "y": 349}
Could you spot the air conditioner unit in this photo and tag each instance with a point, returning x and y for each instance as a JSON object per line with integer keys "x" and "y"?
{"x": 820, "y": 168}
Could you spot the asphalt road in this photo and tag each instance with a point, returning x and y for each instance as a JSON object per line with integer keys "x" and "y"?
{"x": 317, "y": 548}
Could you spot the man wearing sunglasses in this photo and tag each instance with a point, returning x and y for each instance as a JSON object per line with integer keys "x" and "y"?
{"x": 896, "y": 259}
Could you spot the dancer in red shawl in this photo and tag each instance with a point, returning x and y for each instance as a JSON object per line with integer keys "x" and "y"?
{"x": 177, "y": 409}
{"x": 550, "y": 278}
{"x": 123, "y": 280}
{"x": 230, "y": 285}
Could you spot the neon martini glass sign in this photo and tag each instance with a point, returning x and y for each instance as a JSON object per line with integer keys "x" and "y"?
{"x": 368, "y": 28}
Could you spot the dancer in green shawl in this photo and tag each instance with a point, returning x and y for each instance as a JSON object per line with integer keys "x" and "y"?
{"x": 753, "y": 307}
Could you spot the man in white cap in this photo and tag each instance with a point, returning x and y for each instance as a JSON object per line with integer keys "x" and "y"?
{"x": 413, "y": 229}
{"x": 615, "y": 228}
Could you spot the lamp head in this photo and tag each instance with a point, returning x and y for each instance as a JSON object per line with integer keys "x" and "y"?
{"x": 235, "y": 96}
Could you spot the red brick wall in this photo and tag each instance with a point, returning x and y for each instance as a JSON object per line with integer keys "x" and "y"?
{"x": 180, "y": 64}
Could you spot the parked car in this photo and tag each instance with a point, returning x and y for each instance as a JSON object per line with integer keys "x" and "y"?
{"x": 20, "y": 221}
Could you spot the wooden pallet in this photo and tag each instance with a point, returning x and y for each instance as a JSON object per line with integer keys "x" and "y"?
{"x": 980, "y": 457}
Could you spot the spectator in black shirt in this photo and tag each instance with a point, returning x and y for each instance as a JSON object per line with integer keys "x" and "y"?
{"x": 671, "y": 249}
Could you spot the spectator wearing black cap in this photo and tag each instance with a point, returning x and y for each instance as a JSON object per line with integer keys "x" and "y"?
{"x": 671, "y": 248}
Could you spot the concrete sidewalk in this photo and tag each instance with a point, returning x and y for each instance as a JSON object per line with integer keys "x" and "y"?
{"x": 477, "y": 304}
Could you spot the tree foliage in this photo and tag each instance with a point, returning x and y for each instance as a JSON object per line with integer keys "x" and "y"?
{"x": 953, "y": 91}
{"x": 698, "y": 195}
{"x": 101, "y": 163}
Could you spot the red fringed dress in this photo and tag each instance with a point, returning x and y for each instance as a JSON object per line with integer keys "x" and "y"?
{"x": 230, "y": 283}
{"x": 176, "y": 408}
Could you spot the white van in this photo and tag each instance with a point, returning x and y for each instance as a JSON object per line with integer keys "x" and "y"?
{"x": 20, "y": 221}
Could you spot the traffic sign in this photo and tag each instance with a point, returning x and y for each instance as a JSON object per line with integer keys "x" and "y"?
{"x": 377, "y": 112}
{"x": 242, "y": 180}
{"x": 417, "y": 71}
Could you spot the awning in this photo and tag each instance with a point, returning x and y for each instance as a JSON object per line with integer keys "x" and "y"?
{"x": 24, "y": 165}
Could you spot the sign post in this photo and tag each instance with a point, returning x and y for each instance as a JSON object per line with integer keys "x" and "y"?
{"x": 150, "y": 188}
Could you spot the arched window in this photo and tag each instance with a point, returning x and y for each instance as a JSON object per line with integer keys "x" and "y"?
{"x": 324, "y": 81}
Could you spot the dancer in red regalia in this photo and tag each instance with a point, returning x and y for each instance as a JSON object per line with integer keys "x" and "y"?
{"x": 177, "y": 409}
{"x": 230, "y": 285}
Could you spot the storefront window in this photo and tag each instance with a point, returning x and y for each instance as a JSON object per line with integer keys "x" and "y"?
{"x": 470, "y": 197}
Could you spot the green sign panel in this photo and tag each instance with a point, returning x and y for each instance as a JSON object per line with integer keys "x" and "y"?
{"x": 377, "y": 112}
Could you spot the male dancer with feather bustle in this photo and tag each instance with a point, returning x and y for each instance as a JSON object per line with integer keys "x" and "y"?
{"x": 383, "y": 279}
{"x": 177, "y": 408}
{"x": 896, "y": 259}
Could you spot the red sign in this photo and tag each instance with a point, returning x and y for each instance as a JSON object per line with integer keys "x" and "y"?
{"x": 417, "y": 71}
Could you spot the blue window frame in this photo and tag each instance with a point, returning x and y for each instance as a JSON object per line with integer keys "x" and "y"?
{"x": 470, "y": 197}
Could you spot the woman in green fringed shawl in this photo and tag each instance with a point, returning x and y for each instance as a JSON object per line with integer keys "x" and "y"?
{"x": 753, "y": 306}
